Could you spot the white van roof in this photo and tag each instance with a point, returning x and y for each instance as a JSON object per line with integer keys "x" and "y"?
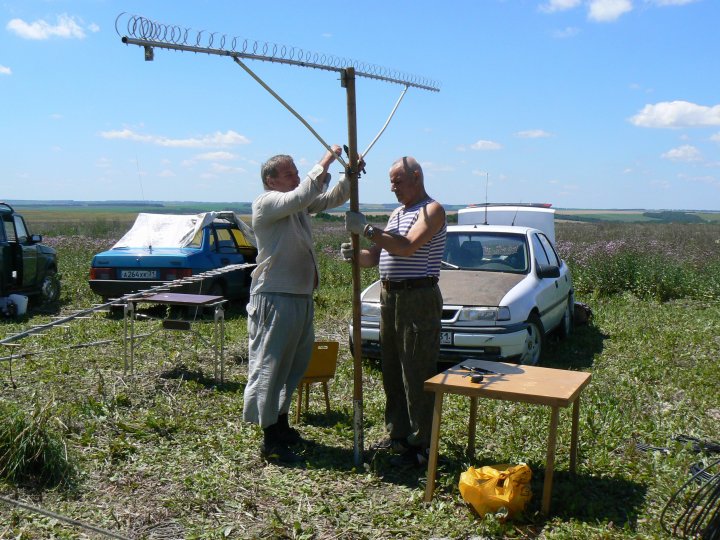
{"x": 537, "y": 216}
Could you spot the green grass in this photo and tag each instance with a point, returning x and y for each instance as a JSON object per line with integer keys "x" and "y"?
{"x": 167, "y": 450}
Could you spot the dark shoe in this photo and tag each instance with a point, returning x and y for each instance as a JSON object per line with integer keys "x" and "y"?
{"x": 279, "y": 453}
{"x": 397, "y": 446}
{"x": 414, "y": 457}
{"x": 286, "y": 434}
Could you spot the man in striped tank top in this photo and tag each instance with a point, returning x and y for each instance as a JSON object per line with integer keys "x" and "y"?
{"x": 409, "y": 251}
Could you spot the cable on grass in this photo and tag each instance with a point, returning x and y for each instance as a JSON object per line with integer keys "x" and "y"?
{"x": 700, "y": 517}
{"x": 65, "y": 519}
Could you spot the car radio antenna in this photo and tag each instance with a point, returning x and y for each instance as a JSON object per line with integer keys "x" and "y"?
{"x": 487, "y": 181}
{"x": 150, "y": 35}
{"x": 516, "y": 213}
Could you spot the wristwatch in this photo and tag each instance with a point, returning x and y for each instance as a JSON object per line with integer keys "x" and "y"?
{"x": 369, "y": 231}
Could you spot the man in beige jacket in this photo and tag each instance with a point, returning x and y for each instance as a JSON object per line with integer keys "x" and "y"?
{"x": 280, "y": 310}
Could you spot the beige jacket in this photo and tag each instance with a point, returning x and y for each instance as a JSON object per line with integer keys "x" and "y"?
{"x": 286, "y": 260}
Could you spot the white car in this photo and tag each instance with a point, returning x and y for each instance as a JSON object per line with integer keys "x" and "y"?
{"x": 503, "y": 284}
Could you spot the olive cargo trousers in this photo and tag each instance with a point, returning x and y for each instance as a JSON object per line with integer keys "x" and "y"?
{"x": 410, "y": 344}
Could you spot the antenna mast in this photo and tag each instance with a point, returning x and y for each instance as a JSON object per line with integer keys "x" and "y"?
{"x": 149, "y": 34}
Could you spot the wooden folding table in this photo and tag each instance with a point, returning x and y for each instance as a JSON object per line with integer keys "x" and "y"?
{"x": 527, "y": 384}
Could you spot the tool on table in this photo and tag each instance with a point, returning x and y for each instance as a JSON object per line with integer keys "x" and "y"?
{"x": 476, "y": 373}
{"x": 476, "y": 369}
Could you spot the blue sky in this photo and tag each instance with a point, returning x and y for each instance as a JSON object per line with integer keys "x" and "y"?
{"x": 580, "y": 103}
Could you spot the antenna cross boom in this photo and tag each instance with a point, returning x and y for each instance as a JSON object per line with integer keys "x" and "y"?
{"x": 149, "y": 34}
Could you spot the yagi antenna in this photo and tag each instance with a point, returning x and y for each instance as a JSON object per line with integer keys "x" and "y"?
{"x": 149, "y": 34}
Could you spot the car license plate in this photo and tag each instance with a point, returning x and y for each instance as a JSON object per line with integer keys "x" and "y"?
{"x": 446, "y": 338}
{"x": 138, "y": 274}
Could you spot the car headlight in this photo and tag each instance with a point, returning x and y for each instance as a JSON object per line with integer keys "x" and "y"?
{"x": 370, "y": 309}
{"x": 484, "y": 314}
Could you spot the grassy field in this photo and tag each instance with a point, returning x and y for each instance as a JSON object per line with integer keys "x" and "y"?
{"x": 165, "y": 454}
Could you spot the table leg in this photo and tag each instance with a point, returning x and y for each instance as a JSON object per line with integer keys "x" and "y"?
{"x": 574, "y": 436}
{"x": 130, "y": 313}
{"x": 216, "y": 345}
{"x": 434, "y": 444}
{"x": 327, "y": 396}
{"x": 222, "y": 345}
{"x": 550, "y": 460}
{"x": 298, "y": 409}
{"x": 125, "y": 341}
{"x": 472, "y": 427}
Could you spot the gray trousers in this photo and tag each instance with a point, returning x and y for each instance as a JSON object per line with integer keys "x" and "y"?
{"x": 410, "y": 344}
{"x": 281, "y": 337}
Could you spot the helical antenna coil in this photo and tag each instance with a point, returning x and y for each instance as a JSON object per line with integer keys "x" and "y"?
{"x": 142, "y": 28}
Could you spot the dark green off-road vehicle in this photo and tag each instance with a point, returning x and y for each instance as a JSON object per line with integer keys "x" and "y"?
{"x": 27, "y": 267}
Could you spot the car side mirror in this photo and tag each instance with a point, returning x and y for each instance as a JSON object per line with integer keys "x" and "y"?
{"x": 548, "y": 271}
{"x": 36, "y": 238}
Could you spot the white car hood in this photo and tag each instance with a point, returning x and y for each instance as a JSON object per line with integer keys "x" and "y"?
{"x": 466, "y": 287}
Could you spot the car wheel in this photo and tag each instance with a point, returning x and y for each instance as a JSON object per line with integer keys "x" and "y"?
{"x": 50, "y": 288}
{"x": 566, "y": 325}
{"x": 534, "y": 341}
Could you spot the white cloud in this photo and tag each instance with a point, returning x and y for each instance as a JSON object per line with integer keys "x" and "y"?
{"x": 66, "y": 27}
{"x": 567, "y": 32}
{"x": 4, "y": 70}
{"x": 223, "y": 169}
{"x": 686, "y": 152}
{"x": 671, "y": 2}
{"x": 532, "y": 134}
{"x": 608, "y": 10}
{"x": 715, "y": 137}
{"x": 672, "y": 114}
{"x": 217, "y": 139}
{"x": 216, "y": 156}
{"x": 553, "y": 6}
{"x": 430, "y": 166}
{"x": 709, "y": 180}
{"x": 661, "y": 184}
{"x": 166, "y": 173}
{"x": 486, "y": 145}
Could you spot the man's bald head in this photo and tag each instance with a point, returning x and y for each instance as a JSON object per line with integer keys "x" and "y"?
{"x": 410, "y": 168}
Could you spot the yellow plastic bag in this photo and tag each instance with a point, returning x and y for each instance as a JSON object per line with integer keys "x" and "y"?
{"x": 493, "y": 487}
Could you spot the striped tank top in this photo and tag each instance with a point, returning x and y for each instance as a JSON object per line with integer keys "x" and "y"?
{"x": 425, "y": 261}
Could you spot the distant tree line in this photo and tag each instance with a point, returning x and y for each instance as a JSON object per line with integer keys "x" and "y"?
{"x": 665, "y": 216}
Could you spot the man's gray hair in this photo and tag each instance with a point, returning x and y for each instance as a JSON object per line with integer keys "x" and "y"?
{"x": 269, "y": 168}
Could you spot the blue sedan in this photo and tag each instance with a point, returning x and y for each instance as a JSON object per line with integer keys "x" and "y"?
{"x": 161, "y": 248}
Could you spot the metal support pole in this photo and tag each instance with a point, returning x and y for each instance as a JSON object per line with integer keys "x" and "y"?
{"x": 348, "y": 82}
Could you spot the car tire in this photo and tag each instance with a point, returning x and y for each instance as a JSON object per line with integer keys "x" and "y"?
{"x": 535, "y": 341}
{"x": 50, "y": 288}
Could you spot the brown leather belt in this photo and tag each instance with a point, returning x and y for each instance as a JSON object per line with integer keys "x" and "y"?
{"x": 414, "y": 283}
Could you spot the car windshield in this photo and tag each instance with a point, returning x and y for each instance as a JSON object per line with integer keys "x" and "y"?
{"x": 494, "y": 252}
